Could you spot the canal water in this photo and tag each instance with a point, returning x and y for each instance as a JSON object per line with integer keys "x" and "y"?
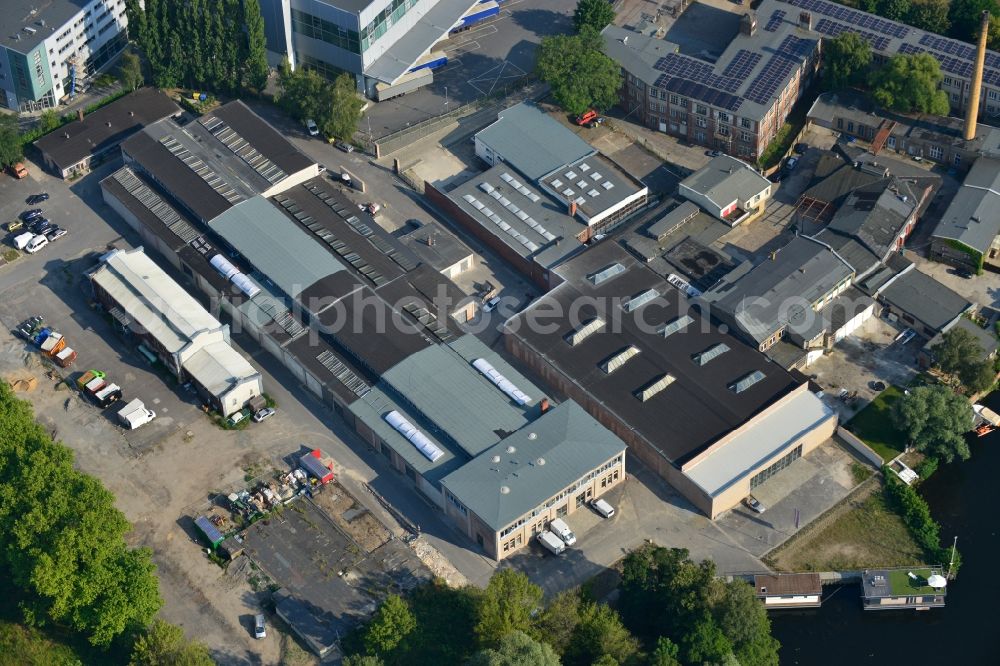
{"x": 965, "y": 499}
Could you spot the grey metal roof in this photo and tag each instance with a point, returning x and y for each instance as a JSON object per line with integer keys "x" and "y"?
{"x": 594, "y": 183}
{"x": 973, "y": 216}
{"x": 275, "y": 246}
{"x": 260, "y": 136}
{"x": 924, "y": 298}
{"x": 985, "y": 336}
{"x": 42, "y": 18}
{"x": 698, "y": 407}
{"x": 549, "y": 241}
{"x": 441, "y": 384}
{"x": 859, "y": 257}
{"x": 532, "y": 142}
{"x": 876, "y": 214}
{"x": 769, "y": 296}
{"x": 418, "y": 39}
{"x": 726, "y": 179}
{"x": 105, "y": 128}
{"x": 550, "y": 454}
{"x": 432, "y": 244}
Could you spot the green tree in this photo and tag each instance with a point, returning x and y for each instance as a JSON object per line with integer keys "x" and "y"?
{"x": 163, "y": 644}
{"x": 909, "y": 83}
{"x": 556, "y": 624}
{"x": 446, "y": 620}
{"x": 846, "y": 59}
{"x": 340, "y": 114}
{"x": 130, "y": 71}
{"x": 706, "y": 643}
{"x": 579, "y": 74}
{"x": 255, "y": 69}
{"x": 894, "y": 10}
{"x": 600, "y": 634}
{"x": 49, "y": 120}
{"x": 596, "y": 14}
{"x": 929, "y": 15}
{"x": 362, "y": 660}
{"x": 744, "y": 622}
{"x": 935, "y": 421}
{"x": 516, "y": 649}
{"x": 960, "y": 354}
{"x": 966, "y": 15}
{"x": 508, "y": 604}
{"x": 393, "y": 621}
{"x": 10, "y": 140}
{"x": 665, "y": 654}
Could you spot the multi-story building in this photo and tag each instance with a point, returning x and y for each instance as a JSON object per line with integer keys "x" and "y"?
{"x": 49, "y": 50}
{"x": 379, "y": 41}
{"x": 735, "y": 104}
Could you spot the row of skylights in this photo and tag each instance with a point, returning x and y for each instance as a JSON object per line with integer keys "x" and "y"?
{"x": 715, "y": 351}
{"x": 497, "y": 220}
{"x": 516, "y": 184}
{"x": 417, "y": 438}
{"x": 501, "y": 382}
{"x": 344, "y": 375}
{"x": 619, "y": 359}
{"x": 194, "y": 163}
{"x": 584, "y": 182}
{"x": 676, "y": 325}
{"x": 579, "y": 335}
{"x": 647, "y": 392}
{"x": 148, "y": 198}
{"x": 640, "y": 299}
{"x": 520, "y": 214}
{"x": 606, "y": 274}
{"x": 270, "y": 171}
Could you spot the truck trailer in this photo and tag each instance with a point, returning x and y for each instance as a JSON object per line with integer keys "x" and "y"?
{"x": 66, "y": 357}
{"x": 135, "y": 414}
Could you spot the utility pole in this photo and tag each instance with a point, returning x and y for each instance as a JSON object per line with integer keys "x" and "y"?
{"x": 446, "y": 95}
{"x": 952, "y": 562}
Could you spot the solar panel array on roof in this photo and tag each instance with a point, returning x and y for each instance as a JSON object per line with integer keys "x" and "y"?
{"x": 606, "y": 274}
{"x": 236, "y": 143}
{"x": 713, "y": 352}
{"x": 742, "y": 64}
{"x": 619, "y": 359}
{"x": 700, "y": 92}
{"x": 194, "y": 163}
{"x": 833, "y": 29}
{"x": 282, "y": 317}
{"x": 853, "y": 17}
{"x": 343, "y": 374}
{"x": 744, "y": 383}
{"x": 776, "y": 71}
{"x": 675, "y": 64}
{"x": 777, "y": 16}
{"x": 155, "y": 204}
{"x": 647, "y": 392}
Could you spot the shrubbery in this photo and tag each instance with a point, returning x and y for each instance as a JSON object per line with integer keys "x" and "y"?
{"x": 917, "y": 516}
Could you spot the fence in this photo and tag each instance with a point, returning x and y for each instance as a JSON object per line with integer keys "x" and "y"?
{"x": 512, "y": 93}
{"x": 863, "y": 449}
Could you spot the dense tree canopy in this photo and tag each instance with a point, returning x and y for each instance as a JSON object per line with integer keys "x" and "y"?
{"x": 935, "y": 421}
{"x": 164, "y": 644}
{"x": 966, "y": 15}
{"x": 930, "y": 15}
{"x": 960, "y": 354}
{"x": 130, "y": 71}
{"x": 596, "y": 14}
{"x": 62, "y": 539}
{"x": 334, "y": 107}
{"x": 392, "y": 622}
{"x": 846, "y": 59}
{"x": 217, "y": 45}
{"x": 10, "y": 140}
{"x": 579, "y": 74}
{"x": 909, "y": 83}
{"x": 508, "y": 605}
{"x": 516, "y": 649}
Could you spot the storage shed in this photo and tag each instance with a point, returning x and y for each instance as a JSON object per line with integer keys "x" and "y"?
{"x": 210, "y": 531}
{"x": 312, "y": 463}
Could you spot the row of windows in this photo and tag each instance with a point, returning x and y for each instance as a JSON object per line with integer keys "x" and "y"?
{"x": 321, "y": 67}
{"x": 785, "y": 461}
{"x": 385, "y": 20}
{"x": 325, "y": 31}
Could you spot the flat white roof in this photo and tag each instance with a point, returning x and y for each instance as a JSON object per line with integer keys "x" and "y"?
{"x": 759, "y": 443}
{"x": 153, "y": 299}
{"x": 218, "y": 367}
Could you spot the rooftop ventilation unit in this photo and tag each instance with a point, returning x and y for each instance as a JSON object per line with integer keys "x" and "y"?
{"x": 676, "y": 325}
{"x": 619, "y": 359}
{"x": 223, "y": 265}
{"x": 714, "y": 351}
{"x": 501, "y": 382}
{"x": 639, "y": 300}
{"x": 606, "y": 274}
{"x": 579, "y": 335}
{"x": 415, "y": 437}
{"x": 744, "y": 383}
{"x": 647, "y": 392}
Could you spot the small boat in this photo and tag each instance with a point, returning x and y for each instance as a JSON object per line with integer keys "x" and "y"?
{"x": 984, "y": 429}
{"x": 985, "y": 420}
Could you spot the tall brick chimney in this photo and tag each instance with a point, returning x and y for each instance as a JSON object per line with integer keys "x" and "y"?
{"x": 972, "y": 113}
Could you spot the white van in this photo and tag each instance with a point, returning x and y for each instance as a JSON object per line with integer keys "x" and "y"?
{"x": 21, "y": 240}
{"x": 36, "y": 244}
{"x": 562, "y": 530}
{"x": 602, "y": 507}
{"x": 551, "y": 542}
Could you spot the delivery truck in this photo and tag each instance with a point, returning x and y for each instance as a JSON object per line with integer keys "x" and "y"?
{"x": 135, "y": 414}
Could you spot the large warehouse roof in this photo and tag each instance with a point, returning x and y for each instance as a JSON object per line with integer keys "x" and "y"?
{"x": 632, "y": 341}
{"x": 218, "y": 367}
{"x": 152, "y": 299}
{"x": 972, "y": 216}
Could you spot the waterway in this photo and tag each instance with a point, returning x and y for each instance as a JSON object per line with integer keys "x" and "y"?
{"x": 965, "y": 499}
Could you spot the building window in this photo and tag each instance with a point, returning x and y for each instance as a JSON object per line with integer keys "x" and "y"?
{"x": 673, "y": 99}
{"x": 723, "y": 130}
{"x": 699, "y": 136}
{"x": 786, "y": 460}
{"x": 992, "y": 94}
{"x": 947, "y": 81}
{"x": 957, "y": 160}
{"x": 663, "y": 95}
{"x": 325, "y": 31}
{"x": 850, "y": 126}
{"x": 747, "y": 123}
{"x": 935, "y": 152}
{"x": 701, "y": 122}
{"x": 840, "y": 123}
{"x": 746, "y": 136}
{"x": 652, "y": 92}
{"x": 724, "y": 117}
{"x": 701, "y": 109}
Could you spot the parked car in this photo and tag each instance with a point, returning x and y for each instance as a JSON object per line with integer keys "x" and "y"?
{"x": 790, "y": 163}
{"x": 311, "y": 127}
{"x": 237, "y": 417}
{"x": 36, "y": 244}
{"x": 876, "y": 386}
{"x": 712, "y": 153}
{"x": 263, "y": 414}
{"x": 35, "y": 199}
{"x": 551, "y": 542}
{"x": 29, "y": 215}
{"x": 801, "y": 148}
{"x": 344, "y": 146}
{"x": 559, "y": 527}
{"x": 905, "y": 336}
{"x": 371, "y": 208}
{"x": 602, "y": 507}
{"x": 491, "y": 304}
{"x": 40, "y": 224}
{"x": 259, "y": 626}
{"x": 962, "y": 272}
{"x": 753, "y": 504}
{"x": 775, "y": 177}
{"x": 54, "y": 233}
{"x": 19, "y": 171}
{"x": 14, "y": 226}
{"x": 586, "y": 117}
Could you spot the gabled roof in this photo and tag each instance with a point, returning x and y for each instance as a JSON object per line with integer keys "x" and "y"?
{"x": 924, "y": 298}
{"x": 973, "y": 216}
{"x": 523, "y": 470}
{"x": 525, "y": 137}
{"x": 726, "y": 179}
{"x": 875, "y": 214}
